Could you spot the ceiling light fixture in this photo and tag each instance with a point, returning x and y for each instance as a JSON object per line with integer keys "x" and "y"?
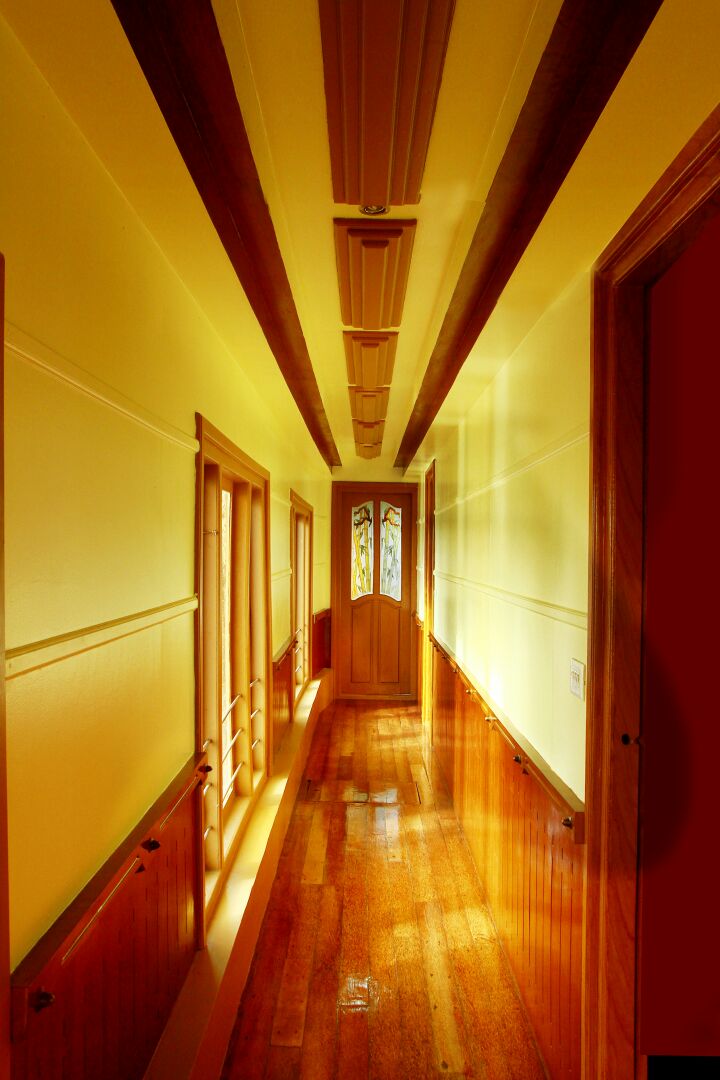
{"x": 373, "y": 209}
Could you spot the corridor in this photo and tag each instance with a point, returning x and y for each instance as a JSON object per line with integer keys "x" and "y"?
{"x": 377, "y": 957}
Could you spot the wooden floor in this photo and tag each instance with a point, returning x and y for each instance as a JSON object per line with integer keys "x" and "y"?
{"x": 377, "y": 957}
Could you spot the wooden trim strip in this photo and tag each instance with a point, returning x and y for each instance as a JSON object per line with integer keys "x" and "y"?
{"x": 97, "y": 912}
{"x": 568, "y": 441}
{"x": 178, "y": 46}
{"x": 570, "y": 616}
{"x": 26, "y": 658}
{"x": 218, "y": 448}
{"x": 283, "y": 651}
{"x": 563, "y": 797}
{"x": 27, "y": 349}
{"x": 590, "y": 46}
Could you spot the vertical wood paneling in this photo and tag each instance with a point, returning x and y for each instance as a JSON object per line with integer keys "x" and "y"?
{"x": 321, "y": 631}
{"x": 532, "y": 865}
{"x": 419, "y": 644}
{"x": 283, "y": 696}
{"x": 115, "y": 960}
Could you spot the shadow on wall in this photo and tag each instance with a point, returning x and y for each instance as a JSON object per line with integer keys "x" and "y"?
{"x": 666, "y": 765}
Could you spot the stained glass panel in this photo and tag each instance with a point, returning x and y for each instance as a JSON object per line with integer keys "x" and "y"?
{"x": 390, "y": 550}
{"x": 361, "y": 572}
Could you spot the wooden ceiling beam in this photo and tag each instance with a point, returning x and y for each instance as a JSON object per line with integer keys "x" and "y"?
{"x": 383, "y": 64}
{"x": 590, "y": 47}
{"x": 178, "y": 46}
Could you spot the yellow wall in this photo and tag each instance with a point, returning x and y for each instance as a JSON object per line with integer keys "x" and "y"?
{"x": 108, "y": 356}
{"x": 511, "y": 534}
{"x": 512, "y": 468}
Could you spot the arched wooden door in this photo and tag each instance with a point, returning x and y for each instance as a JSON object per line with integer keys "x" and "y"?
{"x": 374, "y": 546}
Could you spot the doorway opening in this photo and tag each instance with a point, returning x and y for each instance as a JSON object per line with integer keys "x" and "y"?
{"x": 670, "y": 219}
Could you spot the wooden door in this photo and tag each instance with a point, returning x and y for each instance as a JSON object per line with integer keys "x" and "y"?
{"x": 678, "y": 925}
{"x": 4, "y": 887}
{"x": 652, "y": 740}
{"x": 374, "y": 543}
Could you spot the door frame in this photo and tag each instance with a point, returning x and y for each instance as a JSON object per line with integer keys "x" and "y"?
{"x": 657, "y": 233}
{"x": 4, "y": 873}
{"x": 339, "y": 488}
{"x": 429, "y": 607}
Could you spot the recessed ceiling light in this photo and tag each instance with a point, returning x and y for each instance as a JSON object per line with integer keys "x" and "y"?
{"x": 373, "y": 209}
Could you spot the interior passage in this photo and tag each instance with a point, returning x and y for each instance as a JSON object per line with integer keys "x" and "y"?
{"x": 377, "y": 957}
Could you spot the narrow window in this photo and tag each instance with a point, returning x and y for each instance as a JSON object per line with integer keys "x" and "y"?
{"x": 233, "y": 642}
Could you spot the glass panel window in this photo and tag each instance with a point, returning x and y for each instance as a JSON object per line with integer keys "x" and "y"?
{"x": 390, "y": 549}
{"x": 361, "y": 575}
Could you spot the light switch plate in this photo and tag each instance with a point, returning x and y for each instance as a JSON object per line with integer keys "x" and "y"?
{"x": 577, "y": 679}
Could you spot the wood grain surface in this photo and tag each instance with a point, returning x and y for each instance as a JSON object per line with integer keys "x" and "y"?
{"x": 526, "y": 842}
{"x": 378, "y": 957}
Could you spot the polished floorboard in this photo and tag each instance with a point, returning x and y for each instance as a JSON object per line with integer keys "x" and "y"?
{"x": 377, "y": 959}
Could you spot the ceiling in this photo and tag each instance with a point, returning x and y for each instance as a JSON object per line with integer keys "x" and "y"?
{"x": 276, "y": 58}
{"x": 491, "y": 70}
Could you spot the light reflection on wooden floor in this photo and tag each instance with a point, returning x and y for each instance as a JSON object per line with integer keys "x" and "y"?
{"x": 377, "y": 959}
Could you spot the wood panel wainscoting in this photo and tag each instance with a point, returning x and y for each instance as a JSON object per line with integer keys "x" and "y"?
{"x": 321, "y": 641}
{"x": 419, "y": 629}
{"x": 283, "y": 697}
{"x": 525, "y": 829}
{"x": 91, "y": 999}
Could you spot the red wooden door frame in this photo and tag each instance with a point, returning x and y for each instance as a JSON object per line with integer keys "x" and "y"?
{"x": 4, "y": 882}
{"x": 663, "y": 226}
{"x": 378, "y": 491}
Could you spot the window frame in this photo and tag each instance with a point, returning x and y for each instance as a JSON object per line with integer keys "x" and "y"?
{"x": 301, "y": 623}
{"x": 221, "y": 465}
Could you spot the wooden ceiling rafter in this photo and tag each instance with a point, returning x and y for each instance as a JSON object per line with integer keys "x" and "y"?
{"x": 383, "y": 65}
{"x": 589, "y": 48}
{"x": 178, "y": 46}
